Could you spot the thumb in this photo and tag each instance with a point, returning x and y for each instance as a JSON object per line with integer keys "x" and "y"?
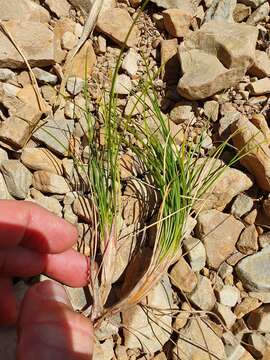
{"x": 48, "y": 328}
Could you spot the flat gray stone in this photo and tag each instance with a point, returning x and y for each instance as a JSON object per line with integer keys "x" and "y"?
{"x": 254, "y": 271}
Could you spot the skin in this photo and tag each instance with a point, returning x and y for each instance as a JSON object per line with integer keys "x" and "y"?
{"x": 33, "y": 241}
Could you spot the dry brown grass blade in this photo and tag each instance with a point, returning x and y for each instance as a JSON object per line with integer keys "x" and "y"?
{"x": 41, "y": 102}
{"x": 87, "y": 30}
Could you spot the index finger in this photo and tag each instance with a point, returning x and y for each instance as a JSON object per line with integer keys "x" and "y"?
{"x": 29, "y": 225}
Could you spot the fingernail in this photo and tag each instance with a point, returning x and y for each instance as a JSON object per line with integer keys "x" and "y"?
{"x": 50, "y": 290}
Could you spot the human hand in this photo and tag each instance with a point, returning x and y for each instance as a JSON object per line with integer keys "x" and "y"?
{"x": 34, "y": 241}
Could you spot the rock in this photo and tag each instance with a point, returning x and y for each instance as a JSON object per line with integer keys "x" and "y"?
{"x": 55, "y": 133}
{"x": 260, "y": 319}
{"x": 130, "y": 62}
{"x": 195, "y": 252}
{"x": 169, "y": 60}
{"x": 36, "y": 41}
{"x": 241, "y": 12}
{"x": 187, "y": 5}
{"x": 48, "y": 182}
{"x": 41, "y": 159}
{"x": 220, "y": 10}
{"x": 248, "y": 241}
{"x": 75, "y": 85}
{"x": 68, "y": 40}
{"x": 183, "y": 111}
{"x": 229, "y": 295}
{"x": 109, "y": 21}
{"x": 6, "y": 74}
{"x": 247, "y": 305}
{"x": 196, "y": 339}
{"x": 122, "y": 85}
{"x": 147, "y": 333}
{"x": 17, "y": 177}
{"x": 44, "y": 77}
{"x": 249, "y": 139}
{"x": 260, "y": 87}
{"x": 182, "y": 318}
{"x": 60, "y": 8}
{"x": 77, "y": 298}
{"x": 177, "y": 22}
{"x": 241, "y": 205}
{"x": 211, "y": 110}
{"x": 104, "y": 350}
{"x": 83, "y": 208}
{"x": 182, "y": 276}
{"x": 24, "y": 10}
{"x": 264, "y": 240}
{"x": 228, "y": 183}
{"x": 264, "y": 297}
{"x": 85, "y": 57}
{"x": 254, "y": 271}
{"x": 260, "y": 122}
{"x": 4, "y": 194}
{"x": 225, "y": 270}
{"x": 226, "y": 314}
{"x": 258, "y": 345}
{"x": 207, "y": 70}
{"x": 48, "y": 202}
{"x": 15, "y": 131}
{"x": 203, "y": 296}
{"x": 109, "y": 327}
{"x": 253, "y": 3}
{"x": 250, "y": 218}
{"x": 261, "y": 66}
{"x": 259, "y": 14}
{"x": 237, "y": 351}
{"x": 219, "y": 232}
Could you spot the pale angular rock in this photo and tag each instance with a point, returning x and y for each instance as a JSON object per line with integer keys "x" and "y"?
{"x": 183, "y": 316}
{"x": 229, "y": 295}
{"x": 248, "y": 137}
{"x": 130, "y": 62}
{"x": 260, "y": 87}
{"x": 101, "y": 45}
{"x": 6, "y": 74}
{"x": 203, "y": 296}
{"x": 77, "y": 298}
{"x": 183, "y": 277}
{"x": 261, "y": 66}
{"x": 260, "y": 319}
{"x": 259, "y": 345}
{"x": 248, "y": 241}
{"x": 55, "y": 133}
{"x": 75, "y": 85}
{"x": 241, "y": 12}
{"x": 226, "y": 314}
{"x": 15, "y": 130}
{"x": 68, "y": 40}
{"x": 123, "y": 85}
{"x": 146, "y": 333}
{"x": 44, "y": 77}
{"x": 229, "y": 182}
{"x": 211, "y": 110}
{"x": 219, "y": 232}
{"x": 198, "y": 333}
{"x": 225, "y": 270}
{"x": 220, "y": 10}
{"x": 241, "y": 205}
{"x": 182, "y": 112}
{"x": 4, "y": 194}
{"x": 104, "y": 350}
{"x": 264, "y": 240}
{"x": 237, "y": 352}
{"x": 10, "y": 90}
{"x": 47, "y": 202}
{"x": 36, "y": 41}
{"x": 41, "y": 159}
{"x": 86, "y": 5}
{"x": 254, "y": 271}
{"x": 109, "y": 327}
{"x": 177, "y": 22}
{"x": 17, "y": 177}
{"x": 264, "y": 297}
{"x": 83, "y": 208}
{"x": 247, "y": 305}
{"x": 48, "y": 182}
{"x": 109, "y": 24}
{"x": 24, "y": 10}
{"x": 195, "y": 252}
{"x": 60, "y": 8}
{"x": 259, "y": 14}
{"x": 206, "y": 69}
